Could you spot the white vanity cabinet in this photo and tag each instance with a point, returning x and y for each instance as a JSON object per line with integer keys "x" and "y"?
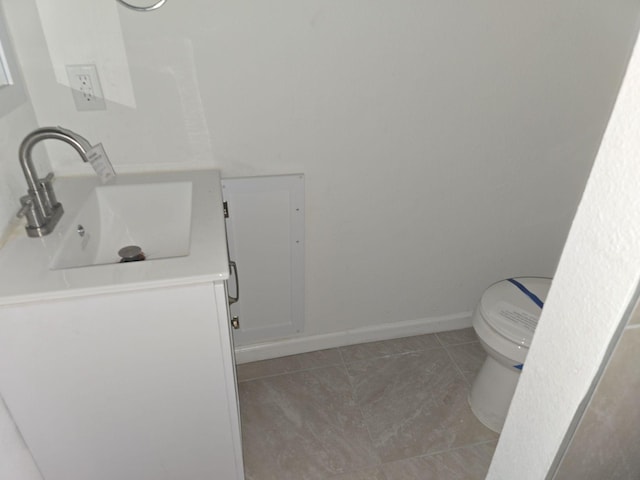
{"x": 132, "y": 385}
{"x": 123, "y": 371}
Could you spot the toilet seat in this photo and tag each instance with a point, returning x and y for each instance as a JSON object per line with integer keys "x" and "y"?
{"x": 511, "y": 313}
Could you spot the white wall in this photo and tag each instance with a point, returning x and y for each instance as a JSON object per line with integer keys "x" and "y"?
{"x": 16, "y": 462}
{"x": 595, "y": 282}
{"x": 445, "y": 144}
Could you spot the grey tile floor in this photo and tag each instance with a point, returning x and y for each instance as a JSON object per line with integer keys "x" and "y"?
{"x": 395, "y": 409}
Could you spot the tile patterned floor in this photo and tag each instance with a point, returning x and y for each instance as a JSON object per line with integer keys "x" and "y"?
{"x": 395, "y": 409}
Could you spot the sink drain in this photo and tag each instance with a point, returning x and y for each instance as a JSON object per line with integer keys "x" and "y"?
{"x": 131, "y": 253}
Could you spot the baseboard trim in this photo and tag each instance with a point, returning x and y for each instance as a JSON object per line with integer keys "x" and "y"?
{"x": 387, "y": 331}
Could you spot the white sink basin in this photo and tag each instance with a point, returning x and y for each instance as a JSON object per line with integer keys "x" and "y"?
{"x": 176, "y": 217}
{"x": 154, "y": 216}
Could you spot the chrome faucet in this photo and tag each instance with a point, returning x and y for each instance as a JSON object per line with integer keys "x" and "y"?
{"x": 40, "y": 206}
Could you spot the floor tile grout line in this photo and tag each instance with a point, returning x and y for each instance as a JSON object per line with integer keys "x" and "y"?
{"x": 290, "y": 372}
{"x": 343, "y": 362}
{"x": 441, "y": 344}
{"x": 457, "y": 367}
{"x": 364, "y": 421}
{"x": 453, "y": 449}
{"x": 342, "y": 347}
{"x": 440, "y": 452}
{"x": 377, "y": 357}
{"x": 461, "y": 343}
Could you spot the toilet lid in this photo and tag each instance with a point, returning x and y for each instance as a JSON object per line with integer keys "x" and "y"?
{"x": 510, "y": 311}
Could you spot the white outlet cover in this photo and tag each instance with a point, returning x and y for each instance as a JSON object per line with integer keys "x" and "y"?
{"x": 85, "y": 87}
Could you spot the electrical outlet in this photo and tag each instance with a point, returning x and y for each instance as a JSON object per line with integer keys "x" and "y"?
{"x": 85, "y": 87}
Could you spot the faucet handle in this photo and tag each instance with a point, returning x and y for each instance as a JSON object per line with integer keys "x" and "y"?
{"x": 47, "y": 179}
{"x": 47, "y": 189}
{"x": 28, "y": 210}
{"x": 27, "y": 204}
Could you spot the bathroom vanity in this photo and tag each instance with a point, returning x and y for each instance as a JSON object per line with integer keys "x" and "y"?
{"x": 123, "y": 370}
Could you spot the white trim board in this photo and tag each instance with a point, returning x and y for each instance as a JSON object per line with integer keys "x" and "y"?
{"x": 387, "y": 331}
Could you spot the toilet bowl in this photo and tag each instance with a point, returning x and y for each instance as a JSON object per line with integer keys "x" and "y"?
{"x": 505, "y": 321}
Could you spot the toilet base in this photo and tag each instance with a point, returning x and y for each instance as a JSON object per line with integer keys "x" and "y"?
{"x": 492, "y": 392}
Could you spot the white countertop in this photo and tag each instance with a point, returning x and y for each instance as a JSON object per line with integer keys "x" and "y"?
{"x": 25, "y": 275}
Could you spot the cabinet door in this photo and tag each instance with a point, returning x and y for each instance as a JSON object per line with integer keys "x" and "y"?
{"x": 228, "y": 358}
{"x": 131, "y": 386}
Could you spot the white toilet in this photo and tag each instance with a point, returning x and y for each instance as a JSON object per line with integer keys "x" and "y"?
{"x": 505, "y": 321}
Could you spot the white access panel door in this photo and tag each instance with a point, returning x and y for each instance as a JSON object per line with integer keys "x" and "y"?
{"x": 265, "y": 231}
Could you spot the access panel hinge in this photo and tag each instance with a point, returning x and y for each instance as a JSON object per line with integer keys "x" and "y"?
{"x": 225, "y": 209}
